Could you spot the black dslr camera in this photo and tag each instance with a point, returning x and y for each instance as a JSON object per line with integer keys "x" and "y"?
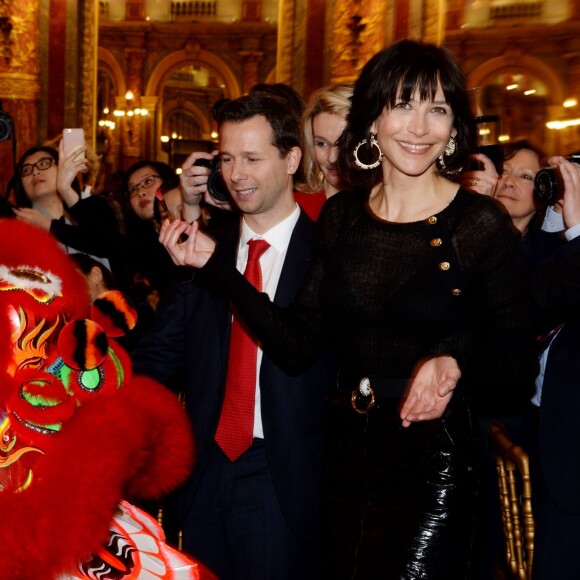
{"x": 216, "y": 186}
{"x": 5, "y": 125}
{"x": 548, "y": 185}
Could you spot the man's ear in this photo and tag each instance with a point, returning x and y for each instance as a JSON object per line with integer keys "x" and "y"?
{"x": 95, "y": 275}
{"x": 293, "y": 159}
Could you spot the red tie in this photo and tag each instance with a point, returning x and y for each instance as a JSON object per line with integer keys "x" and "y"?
{"x": 236, "y": 426}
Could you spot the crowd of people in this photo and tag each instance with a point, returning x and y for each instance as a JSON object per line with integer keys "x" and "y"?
{"x": 346, "y": 325}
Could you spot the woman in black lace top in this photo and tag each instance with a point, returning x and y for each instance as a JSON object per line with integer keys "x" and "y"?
{"x": 418, "y": 285}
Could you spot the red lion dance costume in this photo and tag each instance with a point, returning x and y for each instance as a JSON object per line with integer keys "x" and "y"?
{"x": 78, "y": 432}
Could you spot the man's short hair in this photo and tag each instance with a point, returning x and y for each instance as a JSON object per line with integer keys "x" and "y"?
{"x": 285, "y": 129}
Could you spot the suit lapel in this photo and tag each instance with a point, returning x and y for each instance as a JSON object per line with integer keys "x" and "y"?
{"x": 296, "y": 262}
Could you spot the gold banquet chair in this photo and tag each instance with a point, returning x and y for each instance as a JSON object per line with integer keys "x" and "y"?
{"x": 515, "y": 494}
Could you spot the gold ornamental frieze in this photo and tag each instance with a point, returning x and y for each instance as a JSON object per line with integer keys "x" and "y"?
{"x": 16, "y": 86}
{"x": 358, "y": 33}
{"x": 23, "y": 42}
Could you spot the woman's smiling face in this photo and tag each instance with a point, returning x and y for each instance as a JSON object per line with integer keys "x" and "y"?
{"x": 142, "y": 186}
{"x": 515, "y": 187}
{"x": 413, "y": 134}
{"x": 326, "y": 129}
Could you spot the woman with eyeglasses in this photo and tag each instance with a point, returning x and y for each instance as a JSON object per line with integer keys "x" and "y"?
{"x": 150, "y": 265}
{"x": 46, "y": 194}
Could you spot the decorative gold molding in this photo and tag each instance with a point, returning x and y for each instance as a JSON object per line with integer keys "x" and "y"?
{"x": 19, "y": 86}
{"x": 250, "y": 61}
{"x": 284, "y": 65}
{"x": 519, "y": 61}
{"x": 135, "y": 59}
{"x": 165, "y": 68}
{"x": 358, "y": 33}
{"x": 89, "y": 70}
{"x": 24, "y": 49}
{"x": 150, "y": 102}
{"x": 108, "y": 62}
{"x": 199, "y": 115}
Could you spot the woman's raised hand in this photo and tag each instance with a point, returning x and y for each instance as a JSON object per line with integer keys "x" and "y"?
{"x": 430, "y": 389}
{"x": 69, "y": 166}
{"x": 570, "y": 202}
{"x": 483, "y": 180}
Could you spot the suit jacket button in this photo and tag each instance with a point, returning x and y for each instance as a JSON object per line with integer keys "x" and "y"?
{"x": 444, "y": 265}
{"x": 436, "y": 242}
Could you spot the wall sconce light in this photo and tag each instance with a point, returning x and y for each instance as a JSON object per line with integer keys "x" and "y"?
{"x": 105, "y": 121}
{"x": 558, "y": 125}
{"x": 129, "y": 110}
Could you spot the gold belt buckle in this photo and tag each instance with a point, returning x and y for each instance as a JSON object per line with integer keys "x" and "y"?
{"x": 364, "y": 395}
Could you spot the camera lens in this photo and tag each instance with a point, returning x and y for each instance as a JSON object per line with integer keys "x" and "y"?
{"x": 547, "y": 186}
{"x": 201, "y": 162}
{"x": 216, "y": 186}
{"x": 215, "y": 183}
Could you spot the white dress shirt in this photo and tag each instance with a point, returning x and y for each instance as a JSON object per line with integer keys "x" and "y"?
{"x": 271, "y": 263}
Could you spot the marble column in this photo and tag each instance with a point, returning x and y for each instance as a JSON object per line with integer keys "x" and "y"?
{"x": 19, "y": 79}
{"x": 88, "y": 105}
{"x": 131, "y": 126}
{"x": 323, "y": 42}
{"x": 250, "y": 62}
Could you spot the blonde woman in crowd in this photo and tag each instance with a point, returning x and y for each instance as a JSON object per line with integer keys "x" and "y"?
{"x": 322, "y": 123}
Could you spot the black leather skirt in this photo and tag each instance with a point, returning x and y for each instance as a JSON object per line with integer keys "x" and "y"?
{"x": 398, "y": 502}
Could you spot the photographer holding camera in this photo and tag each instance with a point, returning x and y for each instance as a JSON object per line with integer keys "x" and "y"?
{"x": 513, "y": 187}
{"x": 516, "y": 189}
{"x": 201, "y": 179}
{"x": 556, "y": 430}
{"x": 550, "y": 431}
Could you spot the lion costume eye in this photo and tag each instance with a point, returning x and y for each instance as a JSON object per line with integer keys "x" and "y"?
{"x": 42, "y": 286}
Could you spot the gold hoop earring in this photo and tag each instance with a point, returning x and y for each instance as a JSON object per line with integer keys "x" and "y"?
{"x": 370, "y": 143}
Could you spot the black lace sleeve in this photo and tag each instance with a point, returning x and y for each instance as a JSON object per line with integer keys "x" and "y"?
{"x": 506, "y": 363}
{"x": 292, "y": 336}
{"x": 95, "y": 231}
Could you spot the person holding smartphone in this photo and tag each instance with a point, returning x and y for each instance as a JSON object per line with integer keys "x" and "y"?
{"x": 46, "y": 194}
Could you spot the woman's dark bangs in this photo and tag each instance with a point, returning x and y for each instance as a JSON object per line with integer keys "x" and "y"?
{"x": 421, "y": 79}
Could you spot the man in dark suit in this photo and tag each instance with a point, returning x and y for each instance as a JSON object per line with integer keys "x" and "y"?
{"x": 252, "y": 512}
{"x": 555, "y": 449}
